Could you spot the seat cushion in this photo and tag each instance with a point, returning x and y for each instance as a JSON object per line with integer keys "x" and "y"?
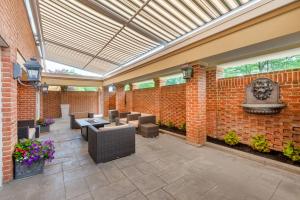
{"x": 134, "y": 123}
{"x": 31, "y": 134}
{"x": 145, "y": 114}
{"x": 123, "y": 120}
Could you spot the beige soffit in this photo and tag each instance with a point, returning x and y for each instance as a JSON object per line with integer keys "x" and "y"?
{"x": 71, "y": 80}
{"x": 103, "y": 35}
{"x": 271, "y": 26}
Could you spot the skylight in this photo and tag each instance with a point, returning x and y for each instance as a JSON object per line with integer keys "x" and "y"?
{"x": 57, "y": 68}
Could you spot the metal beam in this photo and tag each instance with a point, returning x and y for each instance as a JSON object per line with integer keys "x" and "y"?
{"x": 104, "y": 11}
{"x": 79, "y": 51}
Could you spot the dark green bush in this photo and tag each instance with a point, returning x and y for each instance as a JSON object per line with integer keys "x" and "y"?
{"x": 182, "y": 127}
{"x": 291, "y": 151}
{"x": 260, "y": 143}
{"x": 170, "y": 124}
{"x": 231, "y": 138}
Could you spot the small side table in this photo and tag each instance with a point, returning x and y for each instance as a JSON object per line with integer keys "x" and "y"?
{"x": 149, "y": 130}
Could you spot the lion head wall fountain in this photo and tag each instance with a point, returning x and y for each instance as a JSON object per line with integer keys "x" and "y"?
{"x": 263, "y": 97}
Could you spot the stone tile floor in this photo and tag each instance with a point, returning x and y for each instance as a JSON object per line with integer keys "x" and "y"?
{"x": 162, "y": 168}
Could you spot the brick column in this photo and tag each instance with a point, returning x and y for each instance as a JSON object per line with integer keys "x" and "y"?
{"x": 196, "y": 107}
{"x": 9, "y": 112}
{"x": 157, "y": 98}
{"x": 129, "y": 99}
{"x": 105, "y": 101}
{"x": 120, "y": 98}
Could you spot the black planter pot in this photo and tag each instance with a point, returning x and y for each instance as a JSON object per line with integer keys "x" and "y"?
{"x": 44, "y": 129}
{"x": 23, "y": 171}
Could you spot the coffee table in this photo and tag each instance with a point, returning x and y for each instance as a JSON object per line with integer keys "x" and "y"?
{"x": 97, "y": 122}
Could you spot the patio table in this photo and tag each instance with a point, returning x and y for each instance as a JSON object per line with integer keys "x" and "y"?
{"x": 97, "y": 122}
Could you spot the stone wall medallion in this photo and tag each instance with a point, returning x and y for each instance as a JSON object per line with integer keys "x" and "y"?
{"x": 263, "y": 97}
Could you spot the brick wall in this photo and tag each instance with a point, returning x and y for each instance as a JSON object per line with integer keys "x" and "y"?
{"x": 26, "y": 102}
{"x": 79, "y": 102}
{"x": 129, "y": 101}
{"x": 15, "y": 30}
{"x": 211, "y": 103}
{"x": 51, "y": 104}
{"x": 144, "y": 100}
{"x": 112, "y": 100}
{"x": 172, "y": 104}
{"x": 231, "y": 116}
{"x": 120, "y": 98}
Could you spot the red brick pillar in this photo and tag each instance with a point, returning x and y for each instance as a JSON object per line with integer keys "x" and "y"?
{"x": 105, "y": 101}
{"x": 196, "y": 107}
{"x": 157, "y": 98}
{"x": 9, "y": 111}
{"x": 129, "y": 99}
{"x": 120, "y": 98}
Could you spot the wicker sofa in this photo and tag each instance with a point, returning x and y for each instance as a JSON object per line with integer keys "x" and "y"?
{"x": 78, "y": 115}
{"x": 27, "y": 129}
{"x": 110, "y": 143}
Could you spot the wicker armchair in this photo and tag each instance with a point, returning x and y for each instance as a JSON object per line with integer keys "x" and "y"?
{"x": 78, "y": 115}
{"x": 110, "y": 143}
{"x": 151, "y": 119}
{"x": 112, "y": 115}
{"x": 27, "y": 129}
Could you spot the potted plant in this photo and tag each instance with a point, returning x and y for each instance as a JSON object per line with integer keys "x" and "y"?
{"x": 45, "y": 124}
{"x": 30, "y": 156}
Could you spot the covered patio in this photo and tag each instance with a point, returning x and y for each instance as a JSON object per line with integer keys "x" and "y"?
{"x": 162, "y": 168}
{"x": 150, "y": 99}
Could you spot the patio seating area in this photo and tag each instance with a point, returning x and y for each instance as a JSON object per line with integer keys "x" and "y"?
{"x": 149, "y": 100}
{"x": 162, "y": 168}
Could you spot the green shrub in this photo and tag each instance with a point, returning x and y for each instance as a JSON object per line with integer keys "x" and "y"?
{"x": 231, "y": 138}
{"x": 170, "y": 124}
{"x": 182, "y": 127}
{"x": 160, "y": 123}
{"x": 291, "y": 151}
{"x": 260, "y": 143}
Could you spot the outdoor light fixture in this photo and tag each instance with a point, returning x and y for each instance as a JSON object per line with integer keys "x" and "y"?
{"x": 34, "y": 70}
{"x": 44, "y": 88}
{"x": 112, "y": 88}
{"x": 187, "y": 72}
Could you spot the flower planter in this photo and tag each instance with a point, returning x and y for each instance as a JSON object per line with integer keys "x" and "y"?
{"x": 44, "y": 129}
{"x": 23, "y": 171}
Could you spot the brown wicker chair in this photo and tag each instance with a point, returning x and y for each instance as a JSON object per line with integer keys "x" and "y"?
{"x": 110, "y": 143}
{"x": 145, "y": 120}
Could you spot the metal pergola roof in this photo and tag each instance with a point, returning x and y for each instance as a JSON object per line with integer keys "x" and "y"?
{"x": 102, "y": 35}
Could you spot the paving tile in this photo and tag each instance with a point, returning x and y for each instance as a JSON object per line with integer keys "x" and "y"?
{"x": 127, "y": 161}
{"x": 113, "y": 191}
{"x": 75, "y": 188}
{"x": 136, "y": 195}
{"x": 148, "y": 183}
{"x": 287, "y": 190}
{"x": 112, "y": 173}
{"x": 85, "y": 196}
{"x": 189, "y": 187}
{"x": 147, "y": 168}
{"x": 160, "y": 195}
{"x": 131, "y": 172}
{"x": 96, "y": 180}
